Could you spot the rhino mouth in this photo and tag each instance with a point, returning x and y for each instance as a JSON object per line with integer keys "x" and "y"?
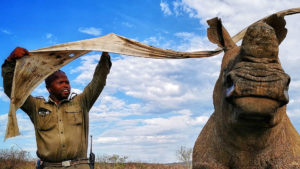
{"x": 254, "y": 118}
{"x": 255, "y": 111}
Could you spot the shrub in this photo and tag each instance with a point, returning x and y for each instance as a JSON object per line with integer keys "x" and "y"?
{"x": 15, "y": 159}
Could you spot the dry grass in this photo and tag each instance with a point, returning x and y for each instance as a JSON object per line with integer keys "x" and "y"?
{"x": 15, "y": 159}
{"x": 31, "y": 165}
{"x": 19, "y": 159}
{"x": 137, "y": 166}
{"x": 7, "y": 164}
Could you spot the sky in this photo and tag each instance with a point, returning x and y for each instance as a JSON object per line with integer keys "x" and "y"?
{"x": 149, "y": 107}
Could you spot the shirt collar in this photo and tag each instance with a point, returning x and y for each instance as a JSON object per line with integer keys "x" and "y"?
{"x": 71, "y": 96}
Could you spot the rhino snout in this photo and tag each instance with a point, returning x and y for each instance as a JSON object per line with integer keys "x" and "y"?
{"x": 257, "y": 80}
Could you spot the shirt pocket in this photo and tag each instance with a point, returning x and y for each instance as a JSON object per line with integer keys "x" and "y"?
{"x": 45, "y": 119}
{"x": 74, "y": 115}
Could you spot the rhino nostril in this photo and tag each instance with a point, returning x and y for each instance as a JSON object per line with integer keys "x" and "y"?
{"x": 229, "y": 91}
{"x": 229, "y": 86}
{"x": 228, "y": 81}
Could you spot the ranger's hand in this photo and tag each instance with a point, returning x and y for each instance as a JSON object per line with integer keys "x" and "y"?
{"x": 105, "y": 60}
{"x": 18, "y": 53}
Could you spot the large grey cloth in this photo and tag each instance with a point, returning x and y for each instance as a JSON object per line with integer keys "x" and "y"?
{"x": 30, "y": 71}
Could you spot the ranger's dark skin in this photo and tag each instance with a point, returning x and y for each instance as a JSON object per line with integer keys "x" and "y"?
{"x": 59, "y": 88}
{"x": 18, "y": 53}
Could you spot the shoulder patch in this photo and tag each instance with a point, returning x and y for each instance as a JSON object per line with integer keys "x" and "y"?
{"x": 43, "y": 111}
{"x": 72, "y": 95}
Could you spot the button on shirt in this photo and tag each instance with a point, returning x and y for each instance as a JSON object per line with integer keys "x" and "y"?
{"x": 61, "y": 129}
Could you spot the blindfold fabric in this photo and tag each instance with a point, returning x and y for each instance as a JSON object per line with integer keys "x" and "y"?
{"x": 31, "y": 70}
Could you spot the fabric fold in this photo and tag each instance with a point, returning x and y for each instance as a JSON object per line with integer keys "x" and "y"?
{"x": 31, "y": 70}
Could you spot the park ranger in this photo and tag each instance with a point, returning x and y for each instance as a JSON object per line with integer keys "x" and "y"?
{"x": 61, "y": 123}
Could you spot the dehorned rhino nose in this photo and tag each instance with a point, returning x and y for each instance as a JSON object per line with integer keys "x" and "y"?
{"x": 260, "y": 41}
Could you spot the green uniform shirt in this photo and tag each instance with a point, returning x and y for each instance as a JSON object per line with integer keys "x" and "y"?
{"x": 61, "y": 130}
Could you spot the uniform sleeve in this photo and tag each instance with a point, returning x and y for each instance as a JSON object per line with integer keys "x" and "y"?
{"x": 8, "y": 73}
{"x": 92, "y": 91}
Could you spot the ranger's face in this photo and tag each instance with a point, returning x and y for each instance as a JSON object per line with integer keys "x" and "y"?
{"x": 59, "y": 88}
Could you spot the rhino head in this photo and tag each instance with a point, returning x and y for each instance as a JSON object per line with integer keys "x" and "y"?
{"x": 252, "y": 89}
{"x": 250, "y": 127}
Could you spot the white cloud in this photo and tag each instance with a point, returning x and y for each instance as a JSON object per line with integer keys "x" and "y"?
{"x": 3, "y": 96}
{"x": 90, "y": 30}
{"x": 127, "y": 24}
{"x": 49, "y": 35}
{"x": 41, "y": 91}
{"x": 152, "y": 41}
{"x": 185, "y": 35}
{"x": 77, "y": 91}
{"x": 25, "y": 125}
{"x": 177, "y": 7}
{"x": 193, "y": 42}
{"x": 107, "y": 140}
{"x": 88, "y": 65}
{"x": 233, "y": 13}
{"x": 131, "y": 136}
{"x": 111, "y": 108}
{"x": 165, "y": 8}
{"x": 51, "y": 38}
{"x": 25, "y": 141}
{"x": 5, "y": 31}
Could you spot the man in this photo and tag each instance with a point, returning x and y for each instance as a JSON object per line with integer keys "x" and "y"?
{"x": 61, "y": 123}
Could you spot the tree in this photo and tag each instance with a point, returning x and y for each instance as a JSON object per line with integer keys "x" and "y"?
{"x": 184, "y": 155}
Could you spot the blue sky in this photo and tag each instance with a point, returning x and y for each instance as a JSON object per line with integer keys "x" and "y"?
{"x": 149, "y": 107}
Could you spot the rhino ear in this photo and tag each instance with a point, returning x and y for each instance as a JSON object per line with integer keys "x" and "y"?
{"x": 278, "y": 23}
{"x": 217, "y": 34}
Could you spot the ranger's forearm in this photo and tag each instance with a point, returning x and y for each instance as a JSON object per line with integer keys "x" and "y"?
{"x": 95, "y": 87}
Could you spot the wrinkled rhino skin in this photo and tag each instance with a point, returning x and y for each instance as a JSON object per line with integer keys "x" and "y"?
{"x": 249, "y": 128}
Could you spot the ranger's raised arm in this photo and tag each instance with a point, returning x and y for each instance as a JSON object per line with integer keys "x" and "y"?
{"x": 61, "y": 122}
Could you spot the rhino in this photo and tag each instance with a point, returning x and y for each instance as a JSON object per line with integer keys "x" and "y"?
{"x": 249, "y": 128}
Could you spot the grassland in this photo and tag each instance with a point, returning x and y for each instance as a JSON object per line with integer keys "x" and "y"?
{"x": 19, "y": 159}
